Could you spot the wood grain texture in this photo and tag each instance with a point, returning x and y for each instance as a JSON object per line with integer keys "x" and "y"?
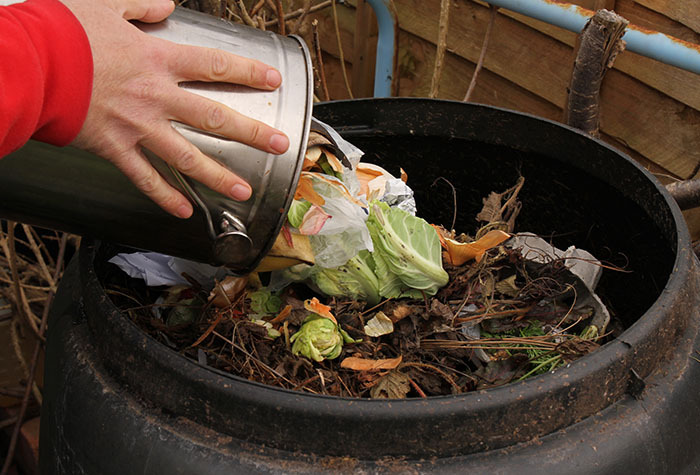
{"x": 686, "y": 12}
{"x": 681, "y": 85}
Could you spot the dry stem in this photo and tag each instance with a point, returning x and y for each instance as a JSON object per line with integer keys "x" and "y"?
{"x": 305, "y": 11}
{"x": 482, "y": 55}
{"x": 319, "y": 59}
{"x": 441, "y": 47}
{"x": 245, "y": 15}
{"x": 280, "y": 15}
{"x": 600, "y": 44}
{"x": 35, "y": 359}
{"x": 300, "y": 11}
{"x": 340, "y": 50}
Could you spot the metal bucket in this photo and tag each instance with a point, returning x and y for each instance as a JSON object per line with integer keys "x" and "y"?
{"x": 75, "y": 191}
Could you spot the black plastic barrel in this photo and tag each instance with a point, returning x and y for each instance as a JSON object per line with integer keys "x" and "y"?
{"x": 118, "y": 402}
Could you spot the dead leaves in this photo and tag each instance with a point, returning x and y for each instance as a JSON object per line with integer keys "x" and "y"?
{"x": 390, "y": 385}
{"x": 305, "y": 190}
{"x": 226, "y": 292}
{"x": 502, "y": 208}
{"x": 365, "y": 364}
{"x": 393, "y": 385}
{"x": 379, "y": 325}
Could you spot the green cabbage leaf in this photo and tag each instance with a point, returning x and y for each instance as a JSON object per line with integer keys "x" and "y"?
{"x": 407, "y": 252}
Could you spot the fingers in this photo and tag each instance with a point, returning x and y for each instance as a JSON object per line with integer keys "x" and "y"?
{"x": 219, "y": 119}
{"x": 149, "y": 11}
{"x": 193, "y": 63}
{"x": 188, "y": 159}
{"x": 139, "y": 170}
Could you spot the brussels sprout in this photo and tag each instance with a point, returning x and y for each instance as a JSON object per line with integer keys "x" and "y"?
{"x": 319, "y": 338}
{"x": 264, "y": 302}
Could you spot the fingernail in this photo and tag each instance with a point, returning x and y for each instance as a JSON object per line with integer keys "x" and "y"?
{"x": 274, "y": 78}
{"x": 279, "y": 143}
{"x": 241, "y": 192}
{"x": 184, "y": 211}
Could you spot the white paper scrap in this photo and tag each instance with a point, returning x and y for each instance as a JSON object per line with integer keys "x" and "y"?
{"x": 160, "y": 269}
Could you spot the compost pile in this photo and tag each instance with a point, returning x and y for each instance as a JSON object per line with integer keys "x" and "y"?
{"x": 360, "y": 298}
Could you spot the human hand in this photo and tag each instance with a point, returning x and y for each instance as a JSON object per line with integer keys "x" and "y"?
{"x": 136, "y": 96}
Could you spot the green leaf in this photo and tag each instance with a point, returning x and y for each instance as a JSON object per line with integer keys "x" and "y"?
{"x": 355, "y": 279}
{"x": 407, "y": 247}
{"x": 296, "y": 213}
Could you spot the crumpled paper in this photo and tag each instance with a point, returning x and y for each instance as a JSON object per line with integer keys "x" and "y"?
{"x": 579, "y": 262}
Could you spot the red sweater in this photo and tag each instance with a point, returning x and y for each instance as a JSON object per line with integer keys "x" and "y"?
{"x": 45, "y": 74}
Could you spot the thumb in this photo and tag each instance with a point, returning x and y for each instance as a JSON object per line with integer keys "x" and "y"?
{"x": 149, "y": 11}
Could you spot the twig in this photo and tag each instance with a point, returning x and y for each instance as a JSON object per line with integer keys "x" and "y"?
{"x": 502, "y": 313}
{"x": 305, "y": 382}
{"x": 280, "y": 15}
{"x": 319, "y": 59}
{"x": 257, "y": 7}
{"x": 20, "y": 356}
{"x": 441, "y": 47}
{"x": 482, "y": 55}
{"x": 7, "y": 242}
{"x": 416, "y": 387}
{"x": 376, "y": 306}
{"x": 217, "y": 320}
{"x": 600, "y": 44}
{"x": 300, "y": 11}
{"x": 8, "y": 422}
{"x": 454, "y": 199}
{"x": 42, "y": 288}
{"x": 340, "y": 50}
{"x": 35, "y": 359}
{"x": 302, "y": 17}
{"x": 39, "y": 257}
{"x": 11, "y": 392}
{"x": 244, "y": 14}
{"x": 437, "y": 370}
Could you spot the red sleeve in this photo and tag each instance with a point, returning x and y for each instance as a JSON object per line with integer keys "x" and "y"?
{"x": 45, "y": 74}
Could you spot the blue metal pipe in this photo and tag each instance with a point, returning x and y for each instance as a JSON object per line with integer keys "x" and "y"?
{"x": 384, "y": 66}
{"x": 654, "y": 45}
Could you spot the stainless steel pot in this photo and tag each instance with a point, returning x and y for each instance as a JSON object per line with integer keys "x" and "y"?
{"x": 75, "y": 191}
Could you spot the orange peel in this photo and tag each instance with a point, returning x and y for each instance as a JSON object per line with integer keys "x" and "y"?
{"x": 457, "y": 253}
{"x": 315, "y": 306}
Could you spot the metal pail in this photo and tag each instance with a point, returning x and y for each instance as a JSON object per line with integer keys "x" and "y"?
{"x": 72, "y": 190}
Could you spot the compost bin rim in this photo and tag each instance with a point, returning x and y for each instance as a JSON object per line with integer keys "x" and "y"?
{"x": 631, "y": 336}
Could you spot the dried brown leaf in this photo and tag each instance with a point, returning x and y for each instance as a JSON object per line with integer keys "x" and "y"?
{"x": 491, "y": 210}
{"x": 365, "y": 364}
{"x": 227, "y": 291}
{"x": 393, "y": 385}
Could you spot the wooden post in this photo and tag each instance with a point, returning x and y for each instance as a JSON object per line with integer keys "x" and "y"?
{"x": 364, "y": 51}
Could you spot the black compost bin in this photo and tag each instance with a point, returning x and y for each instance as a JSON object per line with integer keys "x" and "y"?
{"x": 118, "y": 402}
